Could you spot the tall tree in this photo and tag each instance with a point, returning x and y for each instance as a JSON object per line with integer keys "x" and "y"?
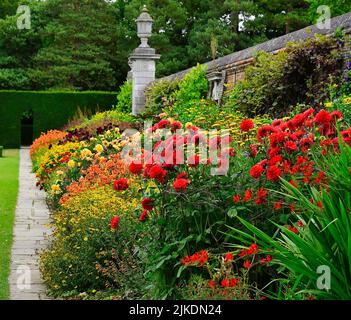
{"x": 79, "y": 46}
{"x": 8, "y": 8}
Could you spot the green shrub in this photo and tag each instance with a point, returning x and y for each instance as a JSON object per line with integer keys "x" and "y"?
{"x": 166, "y": 94}
{"x": 193, "y": 86}
{"x": 124, "y": 97}
{"x": 299, "y": 74}
{"x": 159, "y": 95}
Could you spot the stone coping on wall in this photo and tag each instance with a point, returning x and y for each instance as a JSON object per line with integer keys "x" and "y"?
{"x": 242, "y": 57}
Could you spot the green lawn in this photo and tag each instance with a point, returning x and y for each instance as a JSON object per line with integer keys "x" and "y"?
{"x": 8, "y": 196}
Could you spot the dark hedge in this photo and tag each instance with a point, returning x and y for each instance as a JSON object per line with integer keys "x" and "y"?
{"x": 51, "y": 110}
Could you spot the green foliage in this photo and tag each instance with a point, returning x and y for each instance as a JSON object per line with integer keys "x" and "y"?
{"x": 261, "y": 92}
{"x": 79, "y": 47}
{"x": 51, "y": 110}
{"x": 337, "y": 7}
{"x": 71, "y": 43}
{"x": 299, "y": 74}
{"x": 13, "y": 78}
{"x": 8, "y": 8}
{"x": 193, "y": 86}
{"x": 159, "y": 95}
{"x": 325, "y": 239}
{"x": 124, "y": 97}
{"x": 101, "y": 119}
{"x": 175, "y": 96}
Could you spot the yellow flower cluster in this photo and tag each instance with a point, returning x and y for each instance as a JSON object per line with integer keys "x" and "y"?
{"x": 82, "y": 226}
{"x": 52, "y": 157}
{"x": 95, "y": 203}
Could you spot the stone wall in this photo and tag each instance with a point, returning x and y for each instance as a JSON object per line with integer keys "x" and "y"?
{"x": 232, "y": 67}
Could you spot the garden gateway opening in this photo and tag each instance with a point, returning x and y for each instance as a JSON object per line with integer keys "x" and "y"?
{"x": 27, "y": 128}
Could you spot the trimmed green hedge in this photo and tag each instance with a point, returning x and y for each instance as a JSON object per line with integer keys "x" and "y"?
{"x": 51, "y": 110}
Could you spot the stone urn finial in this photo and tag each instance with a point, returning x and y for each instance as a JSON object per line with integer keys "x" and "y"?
{"x": 144, "y": 25}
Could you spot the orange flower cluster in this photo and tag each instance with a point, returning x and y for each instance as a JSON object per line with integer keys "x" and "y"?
{"x": 45, "y": 140}
{"x": 102, "y": 172}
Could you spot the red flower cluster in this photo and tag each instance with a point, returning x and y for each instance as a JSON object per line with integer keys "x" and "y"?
{"x": 256, "y": 171}
{"x": 265, "y": 260}
{"x": 114, "y": 223}
{"x": 253, "y": 249}
{"x": 121, "y": 184}
{"x": 143, "y": 216}
{"x": 181, "y": 182}
{"x": 199, "y": 259}
{"x": 147, "y": 204}
{"x": 287, "y": 145}
{"x": 135, "y": 168}
{"x": 228, "y": 257}
{"x": 246, "y": 125}
{"x": 158, "y": 173}
{"x": 229, "y": 283}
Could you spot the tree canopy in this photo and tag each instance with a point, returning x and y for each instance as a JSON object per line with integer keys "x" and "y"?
{"x": 85, "y": 44}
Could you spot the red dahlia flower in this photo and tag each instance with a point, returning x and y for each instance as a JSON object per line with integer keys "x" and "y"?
{"x": 248, "y": 195}
{"x": 290, "y": 146}
{"x": 261, "y": 196}
{"x": 180, "y": 184}
{"x": 162, "y": 124}
{"x": 157, "y": 172}
{"x": 336, "y": 115}
{"x": 228, "y": 257}
{"x": 135, "y": 168}
{"x": 147, "y": 203}
{"x": 265, "y": 131}
{"x": 246, "y": 125}
{"x": 277, "y": 123}
{"x": 236, "y": 198}
{"x": 247, "y": 264}
{"x": 273, "y": 173}
{"x": 114, "y": 222}
{"x": 176, "y": 125}
{"x": 276, "y": 159}
{"x": 143, "y": 216}
{"x": 323, "y": 118}
{"x": 256, "y": 171}
{"x": 121, "y": 184}
{"x": 211, "y": 284}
